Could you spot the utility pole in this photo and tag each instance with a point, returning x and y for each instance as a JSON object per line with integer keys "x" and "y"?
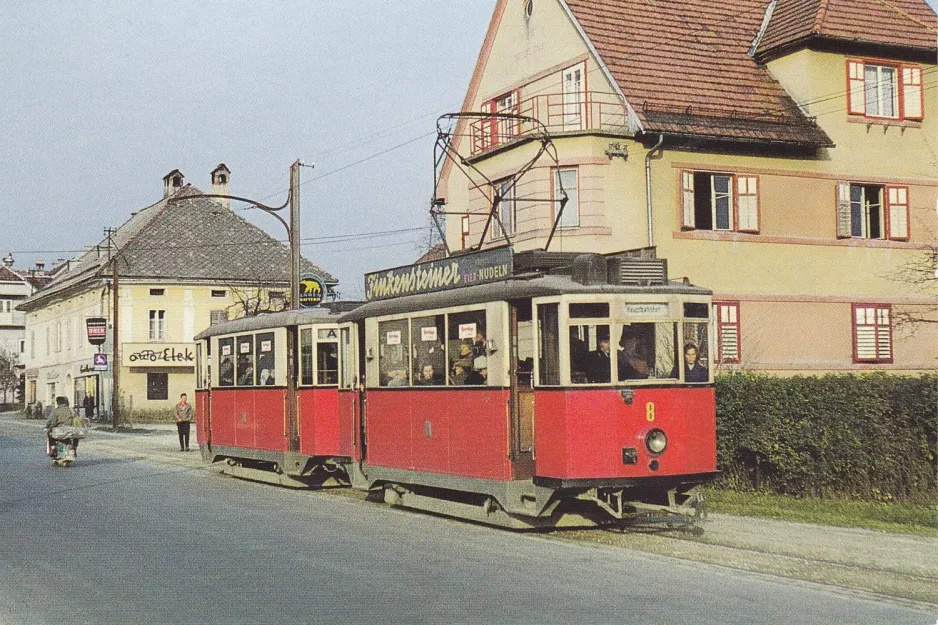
{"x": 294, "y": 231}
{"x": 115, "y": 365}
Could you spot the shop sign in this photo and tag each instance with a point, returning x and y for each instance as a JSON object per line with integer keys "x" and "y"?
{"x": 440, "y": 275}
{"x": 312, "y": 290}
{"x": 32, "y": 374}
{"x": 97, "y": 330}
{"x": 100, "y": 362}
{"x": 157, "y": 355}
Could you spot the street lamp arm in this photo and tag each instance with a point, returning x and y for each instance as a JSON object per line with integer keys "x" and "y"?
{"x": 268, "y": 209}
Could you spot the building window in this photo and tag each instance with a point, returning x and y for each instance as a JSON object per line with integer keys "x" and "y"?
{"x": 218, "y": 316}
{"x": 713, "y": 201}
{"x": 157, "y": 386}
{"x": 218, "y": 292}
{"x": 5, "y": 306}
{"x": 870, "y": 211}
{"x": 157, "y": 292}
{"x": 727, "y": 317}
{"x": 872, "y": 333}
{"x": 884, "y": 90}
{"x": 566, "y": 181}
{"x": 157, "y": 325}
{"x": 574, "y": 100}
{"x": 504, "y": 196}
{"x": 497, "y": 131}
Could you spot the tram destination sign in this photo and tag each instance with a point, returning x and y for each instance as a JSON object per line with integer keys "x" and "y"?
{"x": 440, "y": 275}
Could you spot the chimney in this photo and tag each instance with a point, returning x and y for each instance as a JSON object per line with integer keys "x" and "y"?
{"x": 172, "y": 182}
{"x": 8, "y": 260}
{"x": 221, "y": 184}
{"x": 40, "y": 266}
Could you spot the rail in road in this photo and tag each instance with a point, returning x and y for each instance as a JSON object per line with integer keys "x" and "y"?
{"x": 894, "y": 567}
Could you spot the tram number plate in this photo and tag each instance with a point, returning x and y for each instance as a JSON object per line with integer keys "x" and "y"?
{"x": 650, "y": 411}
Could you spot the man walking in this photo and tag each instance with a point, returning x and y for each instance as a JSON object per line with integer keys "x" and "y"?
{"x": 184, "y": 415}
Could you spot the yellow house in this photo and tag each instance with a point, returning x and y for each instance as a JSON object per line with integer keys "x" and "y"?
{"x": 781, "y": 152}
{"x": 180, "y": 265}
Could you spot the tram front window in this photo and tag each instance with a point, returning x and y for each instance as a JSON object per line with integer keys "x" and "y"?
{"x": 590, "y": 354}
{"x": 647, "y": 350}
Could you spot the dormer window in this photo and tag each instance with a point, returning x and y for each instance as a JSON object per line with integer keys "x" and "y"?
{"x": 884, "y": 90}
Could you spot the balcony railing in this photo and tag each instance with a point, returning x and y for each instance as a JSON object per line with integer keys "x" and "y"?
{"x": 558, "y": 112}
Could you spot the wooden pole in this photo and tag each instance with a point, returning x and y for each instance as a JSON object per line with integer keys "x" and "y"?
{"x": 115, "y": 363}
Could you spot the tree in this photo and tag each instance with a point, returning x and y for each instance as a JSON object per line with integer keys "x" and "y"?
{"x": 8, "y": 374}
{"x": 919, "y": 274}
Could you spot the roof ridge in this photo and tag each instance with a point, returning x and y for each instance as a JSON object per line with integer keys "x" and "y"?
{"x": 820, "y": 16}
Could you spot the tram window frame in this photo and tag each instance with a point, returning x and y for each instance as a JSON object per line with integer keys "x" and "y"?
{"x": 701, "y": 340}
{"x": 244, "y": 376}
{"x": 259, "y": 345}
{"x": 226, "y": 361}
{"x": 399, "y": 345}
{"x": 548, "y": 358}
{"x": 457, "y": 335}
{"x": 324, "y": 341}
{"x": 347, "y": 360}
{"x": 428, "y": 349}
{"x": 307, "y": 369}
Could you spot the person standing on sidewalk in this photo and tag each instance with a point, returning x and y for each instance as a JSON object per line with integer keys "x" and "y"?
{"x": 184, "y": 414}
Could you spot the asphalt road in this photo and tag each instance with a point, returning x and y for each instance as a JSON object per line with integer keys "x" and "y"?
{"x": 123, "y": 539}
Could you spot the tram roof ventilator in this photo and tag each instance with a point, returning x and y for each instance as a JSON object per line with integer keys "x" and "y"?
{"x": 633, "y": 268}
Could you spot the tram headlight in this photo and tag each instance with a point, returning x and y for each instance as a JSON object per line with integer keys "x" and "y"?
{"x": 656, "y": 441}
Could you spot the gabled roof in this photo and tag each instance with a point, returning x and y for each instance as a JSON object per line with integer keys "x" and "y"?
{"x": 684, "y": 68}
{"x": 8, "y": 275}
{"x": 185, "y": 238}
{"x": 908, "y": 24}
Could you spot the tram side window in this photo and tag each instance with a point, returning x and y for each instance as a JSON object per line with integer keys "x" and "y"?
{"x": 695, "y": 352}
{"x": 327, "y": 357}
{"x": 394, "y": 352}
{"x": 548, "y": 321}
{"x": 590, "y": 354}
{"x": 245, "y": 363}
{"x": 347, "y": 360}
{"x": 226, "y": 366}
{"x": 429, "y": 351}
{"x": 647, "y": 350}
{"x": 306, "y": 357}
{"x": 467, "y": 348}
{"x": 266, "y": 357}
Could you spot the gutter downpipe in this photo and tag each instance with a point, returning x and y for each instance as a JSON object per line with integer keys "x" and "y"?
{"x": 648, "y": 157}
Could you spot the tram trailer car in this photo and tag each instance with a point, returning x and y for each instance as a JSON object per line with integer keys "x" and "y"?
{"x": 531, "y": 390}
{"x": 267, "y": 398}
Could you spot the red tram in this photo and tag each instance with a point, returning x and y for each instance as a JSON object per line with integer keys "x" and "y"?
{"x": 524, "y": 390}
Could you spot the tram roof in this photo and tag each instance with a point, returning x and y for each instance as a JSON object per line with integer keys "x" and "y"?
{"x": 523, "y": 286}
{"x": 327, "y": 314}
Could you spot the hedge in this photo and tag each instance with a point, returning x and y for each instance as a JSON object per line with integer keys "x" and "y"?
{"x": 870, "y": 436}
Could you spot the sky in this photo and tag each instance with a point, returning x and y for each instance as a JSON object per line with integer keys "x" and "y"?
{"x": 102, "y": 98}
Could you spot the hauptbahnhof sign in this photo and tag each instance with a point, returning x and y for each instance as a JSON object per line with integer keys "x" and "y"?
{"x": 440, "y": 275}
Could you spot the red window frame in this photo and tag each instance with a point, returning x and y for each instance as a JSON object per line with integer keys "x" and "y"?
{"x": 908, "y": 84}
{"x": 721, "y": 325}
{"x": 879, "y": 312}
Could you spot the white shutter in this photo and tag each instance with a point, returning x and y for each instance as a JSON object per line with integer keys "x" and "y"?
{"x": 883, "y": 336}
{"x": 856, "y": 96}
{"x": 866, "y": 342}
{"x": 687, "y": 188}
{"x": 843, "y": 210}
{"x": 912, "y": 92}
{"x": 897, "y": 203}
{"x": 748, "y": 203}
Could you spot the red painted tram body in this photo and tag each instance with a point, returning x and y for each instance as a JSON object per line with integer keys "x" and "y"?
{"x": 523, "y": 390}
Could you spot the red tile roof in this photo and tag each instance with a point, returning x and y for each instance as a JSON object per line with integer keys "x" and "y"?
{"x": 896, "y": 23}
{"x": 684, "y": 67}
{"x": 8, "y": 275}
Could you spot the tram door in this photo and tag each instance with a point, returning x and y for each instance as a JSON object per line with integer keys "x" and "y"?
{"x": 351, "y": 395}
{"x": 521, "y": 367}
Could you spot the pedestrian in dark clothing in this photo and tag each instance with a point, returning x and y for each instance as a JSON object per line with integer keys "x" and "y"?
{"x": 184, "y": 415}
{"x": 88, "y": 404}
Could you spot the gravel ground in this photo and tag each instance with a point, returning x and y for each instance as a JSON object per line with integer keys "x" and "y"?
{"x": 901, "y": 567}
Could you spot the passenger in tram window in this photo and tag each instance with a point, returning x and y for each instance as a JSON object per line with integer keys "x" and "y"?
{"x": 226, "y": 371}
{"x": 480, "y": 372}
{"x": 694, "y": 372}
{"x": 266, "y": 377}
{"x": 580, "y": 356}
{"x": 632, "y": 358}
{"x": 600, "y": 364}
{"x": 427, "y": 376}
{"x": 478, "y": 346}
{"x": 398, "y": 377}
